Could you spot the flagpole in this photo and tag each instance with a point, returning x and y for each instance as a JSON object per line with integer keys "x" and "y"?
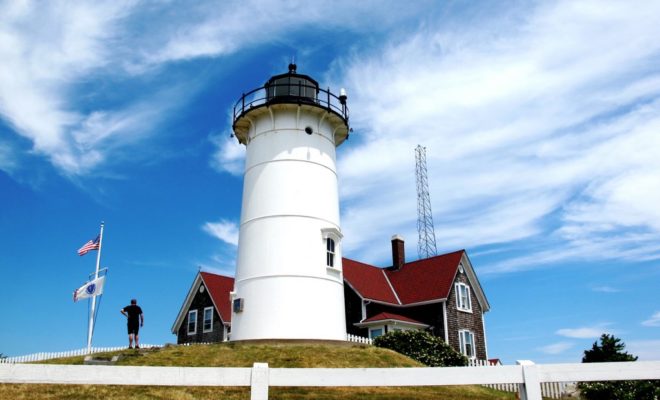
{"x": 96, "y": 275}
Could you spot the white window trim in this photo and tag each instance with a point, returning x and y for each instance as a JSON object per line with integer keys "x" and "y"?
{"x": 188, "y": 322}
{"x": 461, "y": 342}
{"x": 204, "y": 320}
{"x": 459, "y": 303}
{"x": 336, "y": 236}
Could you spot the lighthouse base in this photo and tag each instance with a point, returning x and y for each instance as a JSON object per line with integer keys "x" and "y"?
{"x": 296, "y": 308}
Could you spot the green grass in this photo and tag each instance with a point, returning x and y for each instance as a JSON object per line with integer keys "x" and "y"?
{"x": 244, "y": 355}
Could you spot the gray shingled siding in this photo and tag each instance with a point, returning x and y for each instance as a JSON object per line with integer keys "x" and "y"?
{"x": 457, "y": 320}
{"x": 201, "y": 301}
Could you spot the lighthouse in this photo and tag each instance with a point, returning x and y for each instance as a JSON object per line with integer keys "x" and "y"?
{"x": 289, "y": 282}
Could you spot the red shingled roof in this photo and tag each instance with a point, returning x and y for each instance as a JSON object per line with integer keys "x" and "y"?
{"x": 219, "y": 287}
{"x": 418, "y": 281}
{"x": 389, "y": 316}
{"x": 368, "y": 281}
{"x": 424, "y": 280}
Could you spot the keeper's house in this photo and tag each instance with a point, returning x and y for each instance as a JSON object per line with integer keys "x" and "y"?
{"x": 440, "y": 294}
{"x": 206, "y": 312}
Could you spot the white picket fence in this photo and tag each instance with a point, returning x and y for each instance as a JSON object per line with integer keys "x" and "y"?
{"x": 62, "y": 354}
{"x": 358, "y": 339}
{"x": 526, "y": 375}
{"x": 552, "y": 390}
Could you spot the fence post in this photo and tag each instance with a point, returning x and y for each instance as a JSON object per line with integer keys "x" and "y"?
{"x": 259, "y": 382}
{"x": 530, "y": 389}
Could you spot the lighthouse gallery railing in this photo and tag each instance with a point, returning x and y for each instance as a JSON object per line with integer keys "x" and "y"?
{"x": 295, "y": 92}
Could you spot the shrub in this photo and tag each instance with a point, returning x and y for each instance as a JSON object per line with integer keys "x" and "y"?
{"x": 612, "y": 349}
{"x": 423, "y": 347}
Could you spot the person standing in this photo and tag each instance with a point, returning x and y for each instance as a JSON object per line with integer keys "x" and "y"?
{"x": 135, "y": 319}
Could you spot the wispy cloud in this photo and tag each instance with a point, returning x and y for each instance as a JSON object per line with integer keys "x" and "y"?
{"x": 592, "y": 332}
{"x": 605, "y": 289}
{"x": 47, "y": 48}
{"x": 7, "y": 161}
{"x": 544, "y": 133}
{"x": 529, "y": 136}
{"x": 212, "y": 30}
{"x": 229, "y": 155}
{"x": 653, "y": 321}
{"x": 646, "y": 350}
{"x": 556, "y": 348}
{"x": 224, "y": 230}
{"x": 222, "y": 262}
{"x": 61, "y": 62}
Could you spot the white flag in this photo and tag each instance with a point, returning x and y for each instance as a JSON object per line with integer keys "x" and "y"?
{"x": 89, "y": 289}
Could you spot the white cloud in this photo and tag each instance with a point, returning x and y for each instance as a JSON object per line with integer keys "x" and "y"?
{"x": 210, "y": 30}
{"x": 45, "y": 49}
{"x": 7, "y": 160}
{"x": 605, "y": 289}
{"x": 49, "y": 50}
{"x": 229, "y": 155}
{"x": 544, "y": 132}
{"x": 224, "y": 230}
{"x": 653, "y": 321}
{"x": 556, "y": 348}
{"x": 584, "y": 332}
{"x": 646, "y": 350}
{"x": 536, "y": 130}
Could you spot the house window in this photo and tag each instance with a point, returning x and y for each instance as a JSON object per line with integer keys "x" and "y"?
{"x": 330, "y": 252}
{"x": 208, "y": 319}
{"x": 374, "y": 333}
{"x": 463, "y": 302}
{"x": 192, "y": 322}
{"x": 466, "y": 342}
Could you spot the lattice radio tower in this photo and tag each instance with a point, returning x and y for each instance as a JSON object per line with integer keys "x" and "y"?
{"x": 426, "y": 244}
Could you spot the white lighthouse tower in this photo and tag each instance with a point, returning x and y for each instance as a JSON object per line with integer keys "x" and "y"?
{"x": 289, "y": 282}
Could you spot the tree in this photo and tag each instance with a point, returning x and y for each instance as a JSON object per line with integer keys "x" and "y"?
{"x": 423, "y": 347}
{"x": 611, "y": 349}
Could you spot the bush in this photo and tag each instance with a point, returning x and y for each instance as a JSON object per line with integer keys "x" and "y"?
{"x": 612, "y": 349}
{"x": 423, "y": 347}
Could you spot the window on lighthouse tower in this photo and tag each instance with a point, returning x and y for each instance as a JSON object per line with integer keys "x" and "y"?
{"x": 330, "y": 252}
{"x": 332, "y": 240}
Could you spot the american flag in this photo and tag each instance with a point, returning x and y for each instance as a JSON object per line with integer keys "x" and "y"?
{"x": 89, "y": 246}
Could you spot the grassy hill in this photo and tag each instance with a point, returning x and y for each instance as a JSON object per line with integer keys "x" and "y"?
{"x": 277, "y": 355}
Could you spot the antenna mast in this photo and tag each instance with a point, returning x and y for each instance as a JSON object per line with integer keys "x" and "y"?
{"x": 426, "y": 243}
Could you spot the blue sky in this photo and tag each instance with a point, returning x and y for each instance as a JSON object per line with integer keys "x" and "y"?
{"x": 541, "y": 123}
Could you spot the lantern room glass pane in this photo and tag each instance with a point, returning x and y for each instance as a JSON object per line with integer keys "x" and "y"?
{"x": 295, "y": 86}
